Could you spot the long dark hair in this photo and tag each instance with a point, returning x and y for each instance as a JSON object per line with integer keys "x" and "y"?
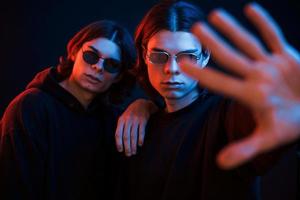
{"x": 117, "y": 34}
{"x": 166, "y": 15}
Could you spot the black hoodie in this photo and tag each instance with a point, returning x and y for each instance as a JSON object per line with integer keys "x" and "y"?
{"x": 53, "y": 148}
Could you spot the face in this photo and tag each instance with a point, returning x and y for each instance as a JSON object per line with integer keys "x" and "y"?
{"x": 90, "y": 71}
{"x": 165, "y": 74}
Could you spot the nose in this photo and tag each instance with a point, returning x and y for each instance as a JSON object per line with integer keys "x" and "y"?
{"x": 98, "y": 67}
{"x": 172, "y": 67}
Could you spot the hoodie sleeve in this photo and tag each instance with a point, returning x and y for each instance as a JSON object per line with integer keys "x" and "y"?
{"x": 23, "y": 148}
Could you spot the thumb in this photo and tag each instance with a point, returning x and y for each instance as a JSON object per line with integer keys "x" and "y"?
{"x": 237, "y": 153}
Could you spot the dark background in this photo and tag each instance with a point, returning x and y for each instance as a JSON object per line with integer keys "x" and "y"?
{"x": 33, "y": 34}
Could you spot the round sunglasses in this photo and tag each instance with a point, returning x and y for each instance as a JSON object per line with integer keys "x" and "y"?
{"x": 110, "y": 65}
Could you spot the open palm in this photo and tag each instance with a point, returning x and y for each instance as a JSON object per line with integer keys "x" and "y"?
{"x": 266, "y": 81}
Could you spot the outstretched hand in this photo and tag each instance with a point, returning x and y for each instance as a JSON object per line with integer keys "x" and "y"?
{"x": 266, "y": 81}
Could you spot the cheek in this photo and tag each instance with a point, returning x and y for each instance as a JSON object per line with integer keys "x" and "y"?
{"x": 154, "y": 76}
{"x": 76, "y": 71}
{"x": 79, "y": 67}
{"x": 191, "y": 83}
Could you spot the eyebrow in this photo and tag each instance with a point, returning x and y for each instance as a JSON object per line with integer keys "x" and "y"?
{"x": 94, "y": 49}
{"x": 185, "y": 51}
{"x": 99, "y": 53}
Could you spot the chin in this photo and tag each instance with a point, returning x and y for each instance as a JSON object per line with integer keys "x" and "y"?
{"x": 173, "y": 96}
{"x": 98, "y": 90}
{"x": 95, "y": 90}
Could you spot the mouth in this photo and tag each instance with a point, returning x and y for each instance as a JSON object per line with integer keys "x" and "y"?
{"x": 172, "y": 84}
{"x": 92, "y": 78}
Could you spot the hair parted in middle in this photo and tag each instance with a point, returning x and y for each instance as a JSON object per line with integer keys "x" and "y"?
{"x": 115, "y": 33}
{"x": 166, "y": 15}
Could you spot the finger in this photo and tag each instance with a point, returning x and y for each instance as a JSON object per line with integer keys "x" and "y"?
{"x": 126, "y": 138}
{"x": 259, "y": 142}
{"x": 119, "y": 135}
{"x": 216, "y": 81}
{"x": 293, "y": 56}
{"x": 245, "y": 41}
{"x": 142, "y": 127}
{"x": 133, "y": 138}
{"x": 266, "y": 25}
{"x": 222, "y": 53}
{"x": 238, "y": 153}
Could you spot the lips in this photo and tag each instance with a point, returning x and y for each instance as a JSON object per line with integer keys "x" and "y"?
{"x": 92, "y": 79}
{"x": 172, "y": 84}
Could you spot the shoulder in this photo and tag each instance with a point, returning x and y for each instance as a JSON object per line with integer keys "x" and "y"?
{"x": 212, "y": 104}
{"x": 25, "y": 122}
{"x": 28, "y": 99}
{"x": 226, "y": 107}
{"x": 27, "y": 106}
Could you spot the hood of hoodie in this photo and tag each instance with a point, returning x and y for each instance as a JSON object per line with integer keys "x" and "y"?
{"x": 48, "y": 81}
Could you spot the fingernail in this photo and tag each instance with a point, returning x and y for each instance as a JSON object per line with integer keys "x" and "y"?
{"x": 254, "y": 4}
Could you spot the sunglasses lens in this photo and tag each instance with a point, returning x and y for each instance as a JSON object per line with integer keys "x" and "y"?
{"x": 187, "y": 57}
{"x": 112, "y": 65}
{"x": 90, "y": 57}
{"x": 158, "y": 58}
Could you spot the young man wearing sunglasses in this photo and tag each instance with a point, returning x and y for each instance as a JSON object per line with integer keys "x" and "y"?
{"x": 178, "y": 157}
{"x": 57, "y": 135}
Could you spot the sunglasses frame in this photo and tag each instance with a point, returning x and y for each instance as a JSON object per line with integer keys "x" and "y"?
{"x": 105, "y": 66}
{"x": 198, "y": 56}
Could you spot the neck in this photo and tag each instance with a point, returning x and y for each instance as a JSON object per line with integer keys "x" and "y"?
{"x": 84, "y": 97}
{"x": 175, "y": 104}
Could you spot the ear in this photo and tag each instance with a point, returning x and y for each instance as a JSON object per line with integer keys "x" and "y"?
{"x": 72, "y": 57}
{"x": 145, "y": 57}
{"x": 205, "y": 55}
{"x": 74, "y": 54}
